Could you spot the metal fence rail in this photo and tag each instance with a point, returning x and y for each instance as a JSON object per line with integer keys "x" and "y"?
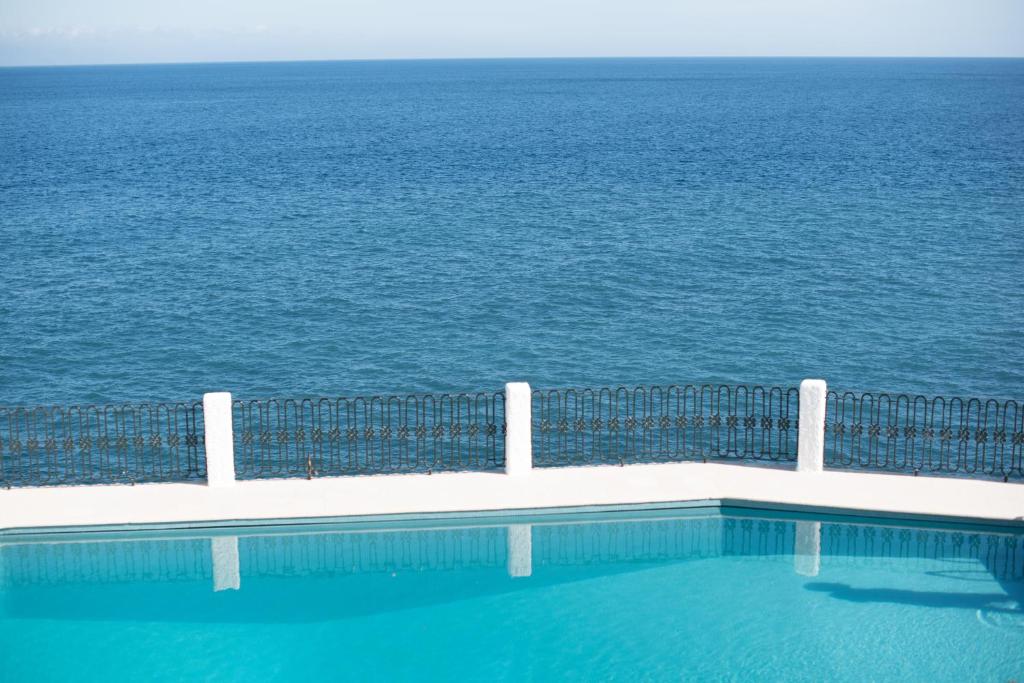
{"x": 922, "y": 435}
{"x": 313, "y": 437}
{"x": 101, "y": 444}
{"x": 655, "y": 424}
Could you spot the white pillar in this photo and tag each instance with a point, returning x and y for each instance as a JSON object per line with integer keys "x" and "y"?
{"x": 520, "y": 550}
{"x": 811, "y": 445}
{"x": 518, "y": 441}
{"x": 220, "y": 441}
{"x": 226, "y": 574}
{"x": 807, "y": 550}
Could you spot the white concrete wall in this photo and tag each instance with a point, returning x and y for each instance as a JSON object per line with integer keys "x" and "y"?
{"x": 467, "y": 492}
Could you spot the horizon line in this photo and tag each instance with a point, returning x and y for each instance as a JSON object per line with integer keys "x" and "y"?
{"x": 506, "y": 58}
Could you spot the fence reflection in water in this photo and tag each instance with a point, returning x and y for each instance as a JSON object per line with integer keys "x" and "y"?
{"x": 641, "y": 541}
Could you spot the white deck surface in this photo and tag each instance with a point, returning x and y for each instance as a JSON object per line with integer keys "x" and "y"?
{"x": 186, "y": 504}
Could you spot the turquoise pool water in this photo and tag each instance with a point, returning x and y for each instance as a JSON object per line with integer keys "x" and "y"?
{"x": 678, "y": 595}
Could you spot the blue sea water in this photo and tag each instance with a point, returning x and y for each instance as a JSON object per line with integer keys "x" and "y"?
{"x": 700, "y": 596}
{"x": 333, "y": 228}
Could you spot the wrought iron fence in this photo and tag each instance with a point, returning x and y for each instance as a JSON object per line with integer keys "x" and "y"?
{"x": 656, "y": 424}
{"x": 313, "y": 437}
{"x": 101, "y": 444}
{"x": 922, "y": 435}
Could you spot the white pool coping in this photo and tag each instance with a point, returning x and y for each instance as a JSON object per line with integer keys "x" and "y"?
{"x": 188, "y": 505}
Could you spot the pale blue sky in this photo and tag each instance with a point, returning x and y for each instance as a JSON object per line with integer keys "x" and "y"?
{"x": 111, "y": 31}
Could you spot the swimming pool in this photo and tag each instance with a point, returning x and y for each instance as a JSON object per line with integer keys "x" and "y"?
{"x": 704, "y": 594}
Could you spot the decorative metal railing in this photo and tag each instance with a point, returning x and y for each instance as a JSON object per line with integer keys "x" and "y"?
{"x": 652, "y": 424}
{"x": 314, "y": 437}
{"x": 922, "y": 435}
{"x": 101, "y": 444}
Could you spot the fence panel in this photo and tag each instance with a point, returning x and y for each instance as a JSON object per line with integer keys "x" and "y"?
{"x": 313, "y": 437}
{"x": 660, "y": 424}
{"x": 921, "y": 435}
{"x": 101, "y": 444}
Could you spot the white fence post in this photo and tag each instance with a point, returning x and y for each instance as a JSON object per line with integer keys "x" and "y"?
{"x": 518, "y": 441}
{"x": 811, "y": 445}
{"x": 220, "y": 440}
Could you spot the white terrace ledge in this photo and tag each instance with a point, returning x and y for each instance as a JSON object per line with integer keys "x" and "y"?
{"x": 224, "y": 500}
{"x": 467, "y": 492}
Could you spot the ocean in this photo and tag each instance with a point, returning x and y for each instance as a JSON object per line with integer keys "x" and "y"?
{"x": 334, "y": 228}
